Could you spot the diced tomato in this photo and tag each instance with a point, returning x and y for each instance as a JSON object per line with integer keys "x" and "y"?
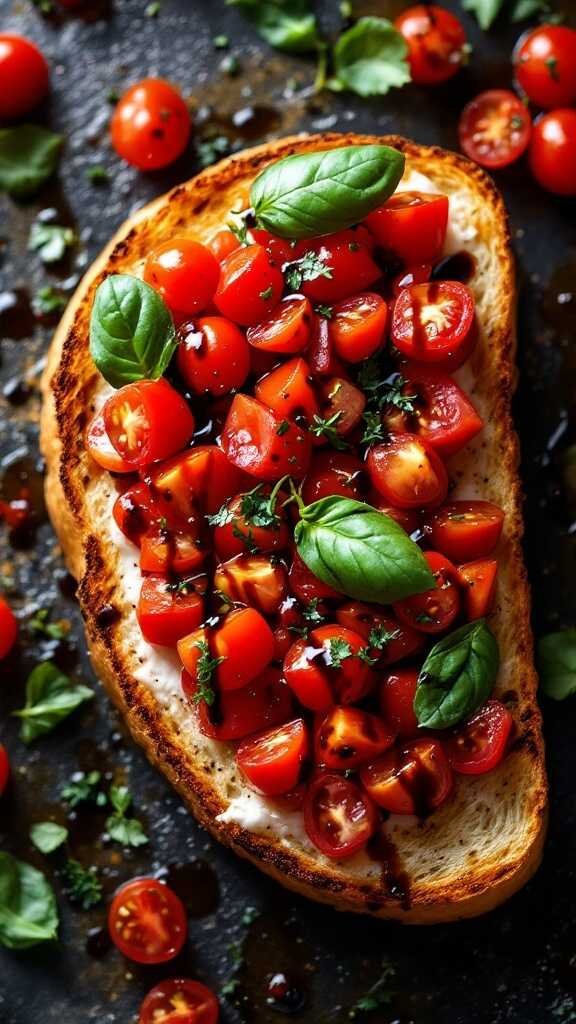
{"x": 250, "y": 285}
{"x": 444, "y": 414}
{"x": 222, "y": 244}
{"x": 135, "y": 511}
{"x": 4, "y": 768}
{"x": 263, "y": 703}
{"x": 213, "y": 355}
{"x": 244, "y": 642}
{"x": 466, "y": 530}
{"x": 242, "y": 528}
{"x": 347, "y": 260}
{"x": 412, "y": 225}
{"x": 408, "y": 472}
{"x": 253, "y": 580}
{"x": 341, "y": 398}
{"x": 185, "y": 273}
{"x": 100, "y": 447}
{"x": 479, "y": 744}
{"x": 305, "y": 585}
{"x": 412, "y": 779}
{"x": 179, "y": 1001}
{"x": 8, "y": 628}
{"x": 166, "y": 612}
{"x": 434, "y": 323}
{"x": 333, "y": 472}
{"x": 199, "y": 479}
{"x": 288, "y": 391}
{"x": 433, "y": 611}
{"x": 256, "y": 440}
{"x": 397, "y": 692}
{"x": 279, "y": 249}
{"x": 165, "y": 549}
{"x": 348, "y": 737}
{"x": 478, "y": 581}
{"x": 326, "y": 669}
{"x": 287, "y": 329}
{"x": 389, "y": 640}
{"x": 147, "y": 921}
{"x": 272, "y": 761}
{"x": 358, "y": 326}
{"x": 147, "y": 421}
{"x": 339, "y": 818}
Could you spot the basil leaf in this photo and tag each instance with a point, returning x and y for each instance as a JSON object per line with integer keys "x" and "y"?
{"x": 50, "y": 241}
{"x": 50, "y": 698}
{"x": 523, "y": 9}
{"x": 370, "y": 58}
{"x": 457, "y": 676}
{"x": 287, "y": 25}
{"x": 28, "y": 157}
{"x": 313, "y": 194}
{"x": 360, "y": 552}
{"x": 486, "y": 11}
{"x": 28, "y": 911}
{"x": 132, "y": 334}
{"x": 557, "y": 663}
{"x": 47, "y": 836}
{"x": 127, "y": 831}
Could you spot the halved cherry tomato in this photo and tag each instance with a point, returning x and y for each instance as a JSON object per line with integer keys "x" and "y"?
{"x": 257, "y": 440}
{"x": 250, "y": 285}
{"x": 412, "y": 779}
{"x": 151, "y": 124}
{"x": 8, "y": 628}
{"x": 389, "y": 640}
{"x": 213, "y": 355}
{"x": 135, "y": 511}
{"x": 553, "y": 151}
{"x": 434, "y": 610}
{"x": 339, "y": 818}
{"x": 348, "y": 737}
{"x": 305, "y": 585}
{"x": 479, "y": 744}
{"x": 147, "y": 421}
{"x": 408, "y": 472}
{"x": 201, "y": 478}
{"x": 23, "y": 75}
{"x": 244, "y": 642}
{"x": 272, "y": 761}
{"x": 265, "y": 702}
{"x": 397, "y": 692}
{"x": 417, "y": 274}
{"x": 279, "y": 249}
{"x": 436, "y": 43}
{"x": 478, "y": 581}
{"x": 495, "y": 128}
{"x": 242, "y": 527}
{"x": 179, "y": 1001}
{"x": 348, "y": 260}
{"x": 222, "y": 244}
{"x": 253, "y": 580}
{"x": 100, "y": 447}
{"x": 411, "y": 225}
{"x": 147, "y": 921}
{"x": 288, "y": 391}
{"x": 358, "y": 326}
{"x": 165, "y": 549}
{"x": 434, "y": 323}
{"x": 166, "y": 612}
{"x": 326, "y": 668}
{"x": 333, "y": 472}
{"x": 185, "y": 273}
{"x": 444, "y": 414}
{"x": 287, "y": 329}
{"x": 342, "y": 398}
{"x": 321, "y": 355}
{"x": 4, "y": 768}
{"x": 407, "y": 518}
{"x": 544, "y": 65}
{"x": 466, "y": 530}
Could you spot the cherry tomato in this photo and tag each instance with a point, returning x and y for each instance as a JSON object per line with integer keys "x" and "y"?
{"x": 200, "y": 478}
{"x": 495, "y": 128}
{"x": 389, "y": 639}
{"x": 288, "y": 391}
{"x": 23, "y": 75}
{"x": 147, "y": 921}
{"x": 250, "y": 285}
{"x": 167, "y": 612}
{"x": 244, "y": 642}
{"x": 321, "y": 354}
{"x": 544, "y": 66}
{"x": 407, "y": 518}
{"x": 213, "y": 355}
{"x": 417, "y": 274}
{"x": 434, "y": 323}
{"x": 8, "y": 628}
{"x": 444, "y": 414}
{"x": 433, "y": 611}
{"x": 135, "y": 511}
{"x": 184, "y": 273}
{"x": 287, "y": 329}
{"x": 479, "y": 744}
{"x": 279, "y": 249}
{"x": 348, "y": 737}
{"x": 466, "y": 530}
{"x": 478, "y": 582}
{"x": 222, "y": 244}
{"x": 412, "y": 779}
{"x": 349, "y": 261}
{"x": 166, "y": 548}
{"x": 258, "y": 441}
{"x": 272, "y": 761}
{"x": 397, "y": 692}
{"x": 341, "y": 398}
{"x": 553, "y": 152}
{"x": 179, "y": 1001}
{"x": 408, "y": 472}
{"x": 242, "y": 528}
{"x": 147, "y": 421}
{"x": 333, "y": 472}
{"x": 338, "y": 817}
{"x": 358, "y": 326}
{"x": 305, "y": 585}
{"x": 412, "y": 225}
{"x": 151, "y": 124}
{"x": 265, "y": 702}
{"x": 253, "y": 580}
{"x": 100, "y": 447}
{"x": 436, "y": 41}
{"x": 326, "y": 669}
{"x": 4, "y": 769}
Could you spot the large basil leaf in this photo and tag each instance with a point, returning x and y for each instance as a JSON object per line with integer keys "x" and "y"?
{"x": 370, "y": 58}
{"x": 50, "y": 698}
{"x": 28, "y": 157}
{"x": 457, "y": 676}
{"x": 557, "y": 663}
{"x": 287, "y": 25}
{"x": 360, "y": 552}
{"x": 317, "y": 193}
{"x": 132, "y": 334}
{"x": 28, "y": 911}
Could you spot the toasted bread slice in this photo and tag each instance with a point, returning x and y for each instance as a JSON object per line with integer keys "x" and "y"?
{"x": 486, "y": 841}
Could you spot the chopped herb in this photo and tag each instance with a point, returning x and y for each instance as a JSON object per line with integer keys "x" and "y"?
{"x": 345, "y": 8}
{"x": 224, "y": 598}
{"x": 221, "y": 42}
{"x": 247, "y": 538}
{"x": 309, "y": 267}
{"x": 327, "y": 428}
{"x": 326, "y": 311}
{"x": 230, "y": 65}
{"x": 424, "y": 618}
{"x": 311, "y": 615}
{"x": 379, "y": 637}
{"x": 381, "y": 391}
{"x": 337, "y": 651}
{"x": 127, "y": 831}
{"x": 222, "y": 517}
{"x": 240, "y": 230}
{"x": 283, "y": 427}
{"x": 378, "y": 995}
{"x": 374, "y": 430}
{"x": 267, "y": 293}
{"x": 258, "y": 508}
{"x": 153, "y": 9}
{"x": 112, "y": 96}
{"x": 97, "y": 174}
{"x": 205, "y": 669}
{"x": 230, "y": 987}
{"x": 249, "y": 916}
{"x": 55, "y": 630}
{"x": 47, "y": 836}
{"x": 48, "y": 301}
{"x": 81, "y": 884}
{"x": 365, "y": 654}
{"x": 552, "y": 64}
{"x": 84, "y": 788}
{"x": 210, "y": 150}
{"x": 236, "y": 954}
{"x": 44, "y": 6}
{"x": 50, "y": 698}
{"x": 50, "y": 241}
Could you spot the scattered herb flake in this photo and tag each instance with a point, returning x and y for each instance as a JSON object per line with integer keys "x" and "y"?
{"x": 84, "y": 788}
{"x": 311, "y": 615}
{"x": 326, "y": 311}
{"x": 308, "y": 267}
{"x": 374, "y": 429}
{"x": 212, "y": 149}
{"x": 48, "y": 301}
{"x": 258, "y": 508}
{"x": 337, "y": 651}
{"x": 283, "y": 427}
{"x": 222, "y": 517}
{"x": 55, "y": 630}
{"x": 50, "y": 698}
{"x": 230, "y": 65}
{"x": 127, "y": 831}
{"x": 379, "y": 637}
{"x": 221, "y": 42}
{"x": 50, "y": 241}
{"x": 152, "y": 10}
{"x": 97, "y": 175}
{"x": 205, "y": 669}
{"x": 47, "y": 836}
{"x": 267, "y": 293}
{"x": 327, "y": 428}
{"x": 82, "y": 886}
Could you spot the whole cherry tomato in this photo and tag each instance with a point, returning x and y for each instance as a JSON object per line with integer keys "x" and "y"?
{"x": 151, "y": 124}
{"x": 250, "y": 285}
{"x": 222, "y": 244}
{"x": 495, "y": 128}
{"x": 553, "y": 152}
{"x": 8, "y": 628}
{"x": 147, "y": 421}
{"x": 412, "y": 226}
{"x": 179, "y": 1001}
{"x": 213, "y": 355}
{"x": 24, "y": 78}
{"x": 147, "y": 921}
{"x": 436, "y": 41}
{"x": 338, "y": 816}
{"x": 544, "y": 65}
{"x": 185, "y": 273}
{"x": 272, "y": 761}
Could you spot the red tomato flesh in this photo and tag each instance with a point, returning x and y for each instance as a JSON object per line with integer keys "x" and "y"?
{"x": 478, "y": 745}
{"x": 100, "y": 447}
{"x": 213, "y": 355}
{"x": 253, "y": 580}
{"x": 305, "y": 585}
{"x": 339, "y": 818}
{"x": 263, "y": 703}
{"x": 389, "y": 639}
{"x": 272, "y": 761}
{"x": 495, "y": 128}
{"x": 331, "y": 473}
{"x": 444, "y": 414}
{"x": 201, "y": 478}
{"x": 179, "y": 1001}
{"x": 147, "y": 921}
{"x": 288, "y": 392}
{"x": 256, "y": 440}
{"x": 408, "y": 472}
{"x": 348, "y": 737}
{"x": 185, "y": 273}
{"x": 243, "y": 531}
{"x": 466, "y": 530}
{"x": 8, "y": 628}
{"x": 397, "y": 692}
{"x": 553, "y": 152}
{"x": 411, "y": 779}
{"x": 325, "y": 668}
{"x": 4, "y": 768}
{"x": 167, "y": 612}
{"x": 23, "y": 75}
{"x": 358, "y": 325}
{"x": 478, "y": 582}
{"x": 250, "y": 286}
{"x": 347, "y": 260}
{"x": 412, "y": 226}
{"x": 436, "y": 43}
{"x": 287, "y": 329}
{"x": 433, "y": 611}
{"x": 147, "y": 421}
{"x": 544, "y": 66}
{"x": 244, "y": 642}
{"x": 434, "y": 323}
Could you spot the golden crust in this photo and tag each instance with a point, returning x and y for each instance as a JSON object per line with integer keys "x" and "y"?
{"x": 69, "y": 385}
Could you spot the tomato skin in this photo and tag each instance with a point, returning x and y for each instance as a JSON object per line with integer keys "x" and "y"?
{"x": 435, "y": 610}
{"x": 252, "y": 443}
{"x": 321, "y": 354}
{"x": 466, "y": 530}
{"x": 348, "y": 737}
{"x": 445, "y": 415}
{"x": 8, "y": 628}
{"x": 288, "y": 391}
{"x": 358, "y": 326}
{"x": 213, "y": 355}
{"x": 363, "y": 618}
{"x": 272, "y": 761}
{"x": 100, "y": 447}
{"x": 147, "y": 921}
{"x": 333, "y": 472}
{"x": 412, "y": 225}
{"x": 195, "y": 1003}
{"x": 417, "y": 274}
{"x": 396, "y": 698}
{"x": 479, "y": 744}
{"x": 147, "y": 421}
{"x": 408, "y": 472}
{"x": 407, "y": 518}
{"x": 184, "y": 273}
{"x": 279, "y": 249}
{"x": 199, "y": 478}
{"x": 478, "y": 582}
{"x": 494, "y": 128}
{"x": 338, "y": 395}
{"x": 287, "y": 328}
{"x": 265, "y": 702}
{"x": 171, "y": 550}
{"x": 434, "y": 323}
{"x": 166, "y": 615}
{"x": 232, "y": 538}
{"x": 253, "y": 580}
{"x": 317, "y": 684}
{"x": 436, "y": 43}
{"x": 338, "y": 817}
{"x": 244, "y": 640}
{"x": 222, "y": 244}
{"x": 349, "y": 260}
{"x": 135, "y": 511}
{"x": 544, "y": 66}
{"x": 250, "y": 286}
{"x": 24, "y": 80}
{"x": 151, "y": 124}
{"x": 4, "y": 768}
{"x": 412, "y": 779}
{"x": 305, "y": 585}
{"x": 553, "y": 152}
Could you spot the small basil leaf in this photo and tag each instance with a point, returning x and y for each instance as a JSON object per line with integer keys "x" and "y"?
{"x": 457, "y": 676}
{"x": 313, "y": 194}
{"x": 50, "y": 698}
{"x": 28, "y": 157}
{"x": 486, "y": 11}
{"x": 557, "y": 663}
{"x": 47, "y": 836}
{"x": 287, "y": 25}
{"x": 523, "y": 9}
{"x": 132, "y": 334}
{"x": 370, "y": 58}
{"x": 28, "y": 911}
{"x": 360, "y": 552}
{"x": 127, "y": 831}
{"x": 50, "y": 241}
